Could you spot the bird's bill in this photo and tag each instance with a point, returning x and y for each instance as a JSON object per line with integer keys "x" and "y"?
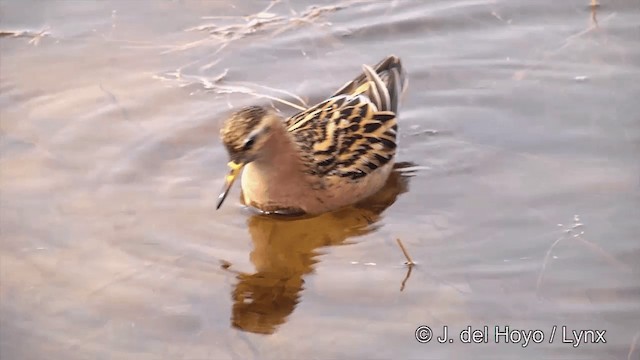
{"x": 235, "y": 169}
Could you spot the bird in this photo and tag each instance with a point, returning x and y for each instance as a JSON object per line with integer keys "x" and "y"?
{"x": 331, "y": 155}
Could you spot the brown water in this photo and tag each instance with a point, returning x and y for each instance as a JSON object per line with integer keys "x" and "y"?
{"x": 521, "y": 205}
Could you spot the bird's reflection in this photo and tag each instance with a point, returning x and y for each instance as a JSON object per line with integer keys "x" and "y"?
{"x": 285, "y": 249}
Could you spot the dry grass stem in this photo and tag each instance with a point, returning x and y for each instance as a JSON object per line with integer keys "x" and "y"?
{"x": 546, "y": 261}
{"x": 575, "y": 233}
{"x": 632, "y": 348}
{"x": 410, "y": 264}
{"x": 596, "y": 249}
{"x": 406, "y": 254}
{"x": 224, "y": 30}
{"x": 35, "y": 36}
{"x": 594, "y": 25}
{"x": 594, "y": 5}
{"x": 285, "y": 92}
{"x": 263, "y": 22}
{"x": 216, "y": 85}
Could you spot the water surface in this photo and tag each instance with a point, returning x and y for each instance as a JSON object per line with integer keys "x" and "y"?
{"x": 520, "y": 204}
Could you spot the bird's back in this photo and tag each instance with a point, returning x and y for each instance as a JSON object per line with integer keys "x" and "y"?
{"x": 353, "y": 133}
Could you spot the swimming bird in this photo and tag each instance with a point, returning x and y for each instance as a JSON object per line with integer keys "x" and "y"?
{"x": 333, "y": 154}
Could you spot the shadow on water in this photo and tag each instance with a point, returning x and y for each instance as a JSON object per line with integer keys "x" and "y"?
{"x": 285, "y": 249}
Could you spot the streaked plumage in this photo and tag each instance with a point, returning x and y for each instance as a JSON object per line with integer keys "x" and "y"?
{"x": 333, "y": 154}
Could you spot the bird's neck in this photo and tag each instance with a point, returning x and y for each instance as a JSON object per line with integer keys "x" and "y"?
{"x": 279, "y": 162}
{"x": 279, "y": 148}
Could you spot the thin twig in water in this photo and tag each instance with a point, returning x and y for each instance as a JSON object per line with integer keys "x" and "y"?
{"x": 186, "y": 46}
{"x": 406, "y": 254}
{"x": 262, "y": 22}
{"x": 35, "y": 36}
{"x": 546, "y": 260}
{"x": 301, "y": 108}
{"x": 521, "y": 74}
{"x": 209, "y": 65}
{"x": 409, "y": 264}
{"x": 600, "y": 251}
{"x": 268, "y": 21}
{"x": 214, "y": 84}
{"x": 304, "y": 103}
{"x": 569, "y": 40}
{"x": 594, "y": 5}
{"x": 632, "y": 348}
{"x": 571, "y": 234}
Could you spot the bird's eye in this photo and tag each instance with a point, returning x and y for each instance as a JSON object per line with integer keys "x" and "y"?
{"x": 249, "y": 142}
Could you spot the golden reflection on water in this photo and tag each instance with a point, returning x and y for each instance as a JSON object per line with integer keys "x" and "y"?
{"x": 285, "y": 249}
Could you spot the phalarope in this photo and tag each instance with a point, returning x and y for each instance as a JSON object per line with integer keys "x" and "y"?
{"x": 331, "y": 155}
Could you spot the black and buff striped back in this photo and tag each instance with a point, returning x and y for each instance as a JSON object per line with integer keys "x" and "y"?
{"x": 354, "y": 132}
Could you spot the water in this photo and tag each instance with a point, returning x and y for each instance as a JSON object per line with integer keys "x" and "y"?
{"x": 520, "y": 205}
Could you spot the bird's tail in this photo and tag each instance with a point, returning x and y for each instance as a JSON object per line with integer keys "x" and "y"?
{"x": 383, "y": 84}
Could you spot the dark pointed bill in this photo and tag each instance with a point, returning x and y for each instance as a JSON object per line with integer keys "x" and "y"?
{"x": 233, "y": 174}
